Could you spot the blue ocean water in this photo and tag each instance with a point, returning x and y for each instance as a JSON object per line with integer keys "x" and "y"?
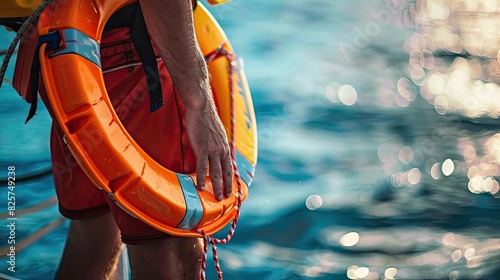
{"x": 378, "y": 142}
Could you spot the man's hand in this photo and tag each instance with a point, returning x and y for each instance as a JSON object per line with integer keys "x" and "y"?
{"x": 209, "y": 141}
{"x": 171, "y": 26}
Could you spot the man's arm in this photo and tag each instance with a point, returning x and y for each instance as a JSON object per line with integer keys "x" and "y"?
{"x": 170, "y": 24}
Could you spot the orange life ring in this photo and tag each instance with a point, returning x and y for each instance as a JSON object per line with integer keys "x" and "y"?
{"x": 113, "y": 161}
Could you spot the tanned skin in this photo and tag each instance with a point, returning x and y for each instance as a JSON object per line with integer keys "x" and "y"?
{"x": 170, "y": 24}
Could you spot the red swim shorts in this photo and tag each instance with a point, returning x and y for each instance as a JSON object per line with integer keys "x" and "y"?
{"x": 161, "y": 134}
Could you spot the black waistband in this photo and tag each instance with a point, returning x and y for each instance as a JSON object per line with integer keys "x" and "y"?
{"x": 131, "y": 16}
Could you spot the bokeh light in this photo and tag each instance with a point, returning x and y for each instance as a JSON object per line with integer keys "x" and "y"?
{"x": 390, "y": 273}
{"x": 332, "y": 91}
{"x": 314, "y": 202}
{"x": 349, "y": 239}
{"x": 348, "y": 95}
{"x": 448, "y": 167}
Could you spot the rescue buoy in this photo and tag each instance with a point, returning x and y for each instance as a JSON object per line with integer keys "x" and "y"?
{"x": 75, "y": 87}
{"x": 18, "y": 8}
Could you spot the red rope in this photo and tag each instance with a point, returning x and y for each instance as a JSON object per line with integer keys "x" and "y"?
{"x": 204, "y": 257}
{"x": 207, "y": 238}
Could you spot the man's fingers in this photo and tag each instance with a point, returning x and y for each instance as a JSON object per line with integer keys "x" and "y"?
{"x": 216, "y": 176}
{"x": 227, "y": 169}
{"x": 201, "y": 171}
